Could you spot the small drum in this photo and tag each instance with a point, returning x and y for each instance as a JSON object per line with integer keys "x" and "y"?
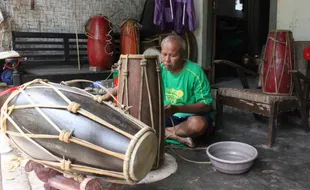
{"x": 278, "y": 61}
{"x": 140, "y": 89}
{"x": 74, "y": 132}
{"x": 129, "y": 37}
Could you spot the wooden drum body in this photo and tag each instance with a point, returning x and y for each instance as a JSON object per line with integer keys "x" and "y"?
{"x": 278, "y": 61}
{"x": 67, "y": 129}
{"x": 100, "y": 44}
{"x": 140, "y": 88}
{"x": 130, "y": 37}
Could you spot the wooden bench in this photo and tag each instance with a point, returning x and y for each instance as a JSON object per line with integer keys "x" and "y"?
{"x": 54, "y": 56}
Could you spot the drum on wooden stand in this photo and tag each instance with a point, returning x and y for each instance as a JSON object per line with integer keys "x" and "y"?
{"x": 76, "y": 133}
{"x": 130, "y": 37}
{"x": 278, "y": 61}
{"x": 140, "y": 89}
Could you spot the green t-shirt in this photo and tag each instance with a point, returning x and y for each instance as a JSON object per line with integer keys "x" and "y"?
{"x": 190, "y": 86}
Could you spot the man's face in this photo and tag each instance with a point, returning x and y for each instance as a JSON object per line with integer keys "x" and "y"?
{"x": 171, "y": 56}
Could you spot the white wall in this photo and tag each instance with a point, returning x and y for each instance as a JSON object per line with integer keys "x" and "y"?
{"x": 294, "y": 15}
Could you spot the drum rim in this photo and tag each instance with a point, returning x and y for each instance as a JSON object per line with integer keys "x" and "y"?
{"x": 134, "y": 170}
{"x": 137, "y": 56}
{"x": 128, "y": 165}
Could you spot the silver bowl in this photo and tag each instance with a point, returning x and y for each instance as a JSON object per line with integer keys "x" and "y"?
{"x": 231, "y": 157}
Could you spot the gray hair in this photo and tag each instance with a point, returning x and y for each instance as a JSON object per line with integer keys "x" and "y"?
{"x": 177, "y": 38}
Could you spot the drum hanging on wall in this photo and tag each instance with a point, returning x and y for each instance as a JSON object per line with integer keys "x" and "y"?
{"x": 130, "y": 37}
{"x": 100, "y": 44}
{"x": 72, "y": 131}
{"x": 140, "y": 88}
{"x": 278, "y": 61}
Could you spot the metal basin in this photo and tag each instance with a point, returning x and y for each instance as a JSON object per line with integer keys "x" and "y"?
{"x": 231, "y": 157}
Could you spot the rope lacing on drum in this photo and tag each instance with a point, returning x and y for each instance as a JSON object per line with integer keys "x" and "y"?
{"x": 78, "y": 177}
{"x": 64, "y": 83}
{"x": 157, "y": 68}
{"x": 75, "y": 176}
{"x": 98, "y": 98}
{"x": 125, "y": 73}
{"x": 40, "y": 80}
{"x": 143, "y": 62}
{"x": 65, "y": 136}
{"x": 74, "y": 107}
{"x": 65, "y": 164}
{"x": 125, "y": 108}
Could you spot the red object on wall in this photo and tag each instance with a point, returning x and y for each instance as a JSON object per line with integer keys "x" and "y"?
{"x": 100, "y": 44}
{"x": 130, "y": 37}
{"x": 278, "y": 61}
{"x": 307, "y": 53}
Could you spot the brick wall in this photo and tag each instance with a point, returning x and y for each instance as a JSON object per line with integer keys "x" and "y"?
{"x": 59, "y": 15}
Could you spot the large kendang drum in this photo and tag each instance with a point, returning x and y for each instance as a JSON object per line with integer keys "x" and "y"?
{"x": 278, "y": 62}
{"x": 140, "y": 89}
{"x": 74, "y": 132}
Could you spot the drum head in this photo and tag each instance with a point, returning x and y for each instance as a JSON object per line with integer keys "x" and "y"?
{"x": 143, "y": 156}
{"x": 153, "y": 51}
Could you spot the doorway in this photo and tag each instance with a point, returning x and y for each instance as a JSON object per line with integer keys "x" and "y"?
{"x": 241, "y": 29}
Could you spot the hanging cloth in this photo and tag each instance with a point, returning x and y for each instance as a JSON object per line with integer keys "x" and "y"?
{"x": 177, "y": 15}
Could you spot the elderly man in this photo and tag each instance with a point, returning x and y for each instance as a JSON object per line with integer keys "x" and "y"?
{"x": 187, "y": 93}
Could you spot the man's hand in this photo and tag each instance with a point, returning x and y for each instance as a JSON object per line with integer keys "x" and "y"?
{"x": 170, "y": 110}
{"x": 106, "y": 97}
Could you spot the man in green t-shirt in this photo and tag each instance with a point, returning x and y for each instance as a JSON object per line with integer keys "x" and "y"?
{"x": 187, "y": 93}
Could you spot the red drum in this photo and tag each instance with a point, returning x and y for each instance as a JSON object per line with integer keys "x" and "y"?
{"x": 140, "y": 89}
{"x": 100, "y": 44}
{"x": 130, "y": 37}
{"x": 307, "y": 53}
{"x": 278, "y": 61}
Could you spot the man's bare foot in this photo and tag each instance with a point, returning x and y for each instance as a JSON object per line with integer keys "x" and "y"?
{"x": 187, "y": 140}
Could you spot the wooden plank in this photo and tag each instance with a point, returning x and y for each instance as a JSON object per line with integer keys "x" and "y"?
{"x": 80, "y": 43}
{"x": 38, "y": 43}
{"x": 80, "y": 48}
{"x": 39, "y": 49}
{"x": 249, "y": 106}
{"x": 43, "y": 55}
{"x": 47, "y": 35}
